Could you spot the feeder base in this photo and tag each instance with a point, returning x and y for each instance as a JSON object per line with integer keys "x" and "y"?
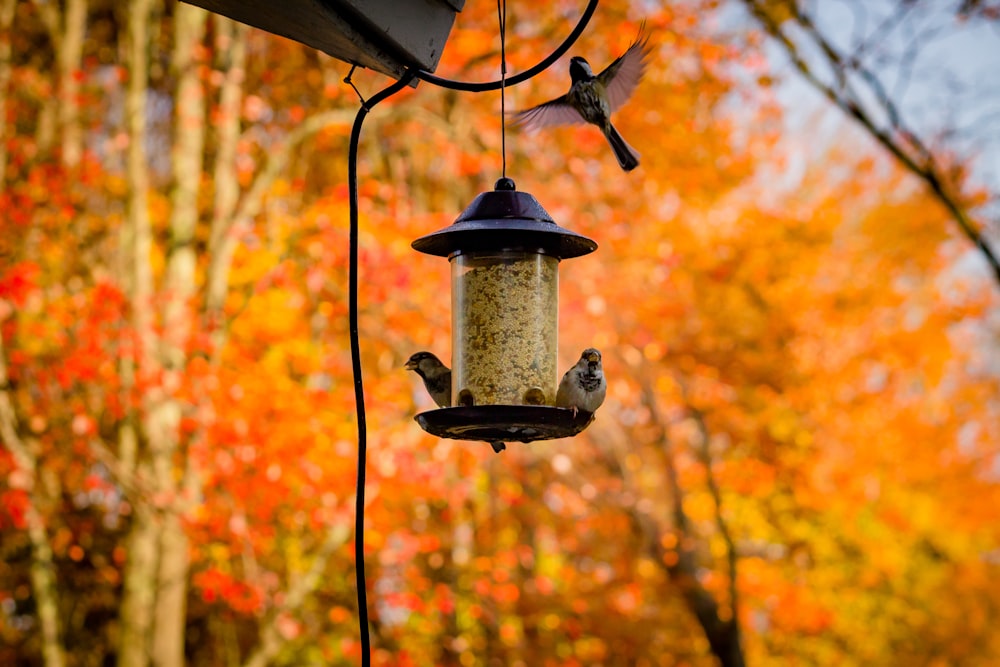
{"x": 504, "y": 423}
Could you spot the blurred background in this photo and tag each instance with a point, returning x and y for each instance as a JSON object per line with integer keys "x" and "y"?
{"x": 799, "y": 458}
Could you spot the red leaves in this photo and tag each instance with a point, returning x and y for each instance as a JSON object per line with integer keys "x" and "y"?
{"x": 18, "y": 281}
{"x": 13, "y": 504}
{"x": 218, "y": 586}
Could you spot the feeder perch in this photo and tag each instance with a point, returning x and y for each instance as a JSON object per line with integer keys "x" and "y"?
{"x": 504, "y": 251}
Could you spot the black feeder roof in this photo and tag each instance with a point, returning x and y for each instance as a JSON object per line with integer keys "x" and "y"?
{"x": 505, "y": 219}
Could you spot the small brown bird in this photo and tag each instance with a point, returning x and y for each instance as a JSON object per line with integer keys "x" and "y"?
{"x": 583, "y": 387}
{"x": 592, "y": 98}
{"x": 436, "y": 376}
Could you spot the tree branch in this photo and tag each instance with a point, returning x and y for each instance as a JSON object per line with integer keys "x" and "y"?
{"x": 223, "y": 243}
{"x": 723, "y": 635}
{"x": 271, "y": 638}
{"x": 713, "y": 489}
{"x": 898, "y": 140}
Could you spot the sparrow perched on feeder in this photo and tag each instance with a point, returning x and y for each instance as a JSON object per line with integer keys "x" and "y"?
{"x": 436, "y": 376}
{"x": 592, "y": 98}
{"x": 583, "y": 386}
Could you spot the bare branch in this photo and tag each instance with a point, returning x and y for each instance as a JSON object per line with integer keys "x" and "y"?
{"x": 723, "y": 635}
{"x": 223, "y": 243}
{"x": 713, "y": 489}
{"x": 899, "y": 140}
{"x": 271, "y": 638}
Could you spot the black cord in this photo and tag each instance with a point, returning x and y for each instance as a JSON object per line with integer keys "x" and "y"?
{"x": 359, "y": 390}
{"x": 474, "y": 87}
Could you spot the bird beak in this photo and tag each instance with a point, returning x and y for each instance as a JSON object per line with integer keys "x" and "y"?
{"x": 593, "y": 358}
{"x": 411, "y": 365}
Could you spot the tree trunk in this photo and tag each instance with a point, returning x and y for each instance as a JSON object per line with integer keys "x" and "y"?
{"x": 165, "y": 416}
{"x": 69, "y": 50}
{"x": 139, "y": 594}
{"x": 66, "y": 30}
{"x": 231, "y": 49}
{"x": 42, "y": 570}
{"x": 6, "y": 70}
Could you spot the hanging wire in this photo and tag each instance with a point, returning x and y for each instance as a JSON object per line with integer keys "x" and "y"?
{"x": 502, "y": 20}
{"x": 359, "y": 390}
{"x": 350, "y": 82}
{"x": 475, "y": 87}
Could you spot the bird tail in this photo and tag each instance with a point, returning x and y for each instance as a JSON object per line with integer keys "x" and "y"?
{"x": 628, "y": 157}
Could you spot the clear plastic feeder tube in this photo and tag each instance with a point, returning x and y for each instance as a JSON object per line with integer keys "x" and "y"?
{"x": 505, "y": 312}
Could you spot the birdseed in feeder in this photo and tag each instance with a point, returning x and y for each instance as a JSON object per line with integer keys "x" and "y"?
{"x": 504, "y": 328}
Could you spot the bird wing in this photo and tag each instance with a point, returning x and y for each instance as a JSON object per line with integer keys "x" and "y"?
{"x": 553, "y": 112}
{"x": 622, "y": 76}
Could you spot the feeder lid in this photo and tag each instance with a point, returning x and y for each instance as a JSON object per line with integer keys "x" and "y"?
{"x": 502, "y": 220}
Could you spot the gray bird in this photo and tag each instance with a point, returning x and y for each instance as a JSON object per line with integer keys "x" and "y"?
{"x": 583, "y": 387}
{"x": 592, "y": 98}
{"x": 436, "y": 376}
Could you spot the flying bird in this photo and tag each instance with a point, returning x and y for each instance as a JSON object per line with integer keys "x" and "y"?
{"x": 592, "y": 98}
{"x": 583, "y": 387}
{"x": 436, "y": 376}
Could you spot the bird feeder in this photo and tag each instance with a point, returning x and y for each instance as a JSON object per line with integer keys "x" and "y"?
{"x": 504, "y": 251}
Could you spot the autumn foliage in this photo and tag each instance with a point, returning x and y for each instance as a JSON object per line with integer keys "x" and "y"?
{"x": 797, "y": 462}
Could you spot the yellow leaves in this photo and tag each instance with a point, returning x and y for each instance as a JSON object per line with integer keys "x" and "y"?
{"x": 270, "y": 317}
{"x": 784, "y": 427}
{"x": 298, "y": 357}
{"x": 250, "y": 267}
{"x": 592, "y": 649}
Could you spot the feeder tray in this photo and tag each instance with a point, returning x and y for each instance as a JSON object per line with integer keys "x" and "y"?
{"x": 505, "y": 423}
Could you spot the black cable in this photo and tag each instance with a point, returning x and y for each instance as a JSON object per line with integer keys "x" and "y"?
{"x": 359, "y": 390}
{"x": 474, "y": 87}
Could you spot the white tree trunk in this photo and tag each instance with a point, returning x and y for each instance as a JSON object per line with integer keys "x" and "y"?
{"x": 69, "y": 50}
{"x": 139, "y": 595}
{"x": 67, "y": 30}
{"x": 230, "y": 48}
{"x": 188, "y": 147}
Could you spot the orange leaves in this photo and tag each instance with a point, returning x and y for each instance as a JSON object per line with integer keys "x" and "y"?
{"x": 504, "y": 593}
{"x": 794, "y": 611}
